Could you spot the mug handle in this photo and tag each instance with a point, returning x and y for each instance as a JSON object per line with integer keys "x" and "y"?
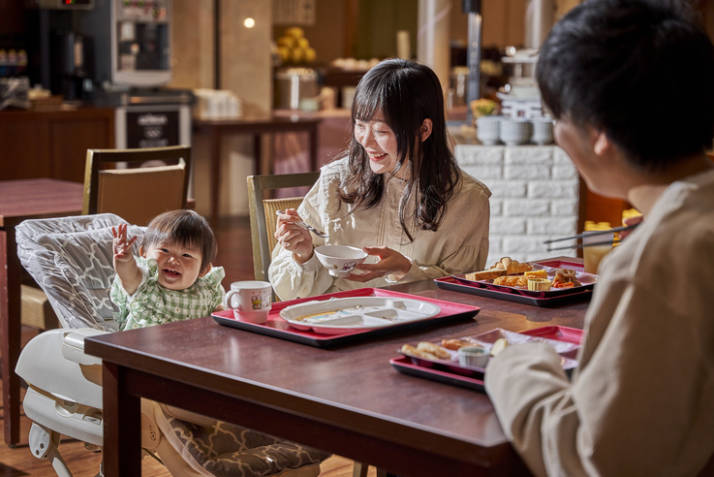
{"x": 227, "y": 299}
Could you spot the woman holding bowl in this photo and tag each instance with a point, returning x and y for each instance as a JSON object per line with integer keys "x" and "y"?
{"x": 398, "y": 194}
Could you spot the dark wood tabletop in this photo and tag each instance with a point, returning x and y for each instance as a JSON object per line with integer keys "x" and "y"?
{"x": 347, "y": 400}
{"x": 21, "y": 200}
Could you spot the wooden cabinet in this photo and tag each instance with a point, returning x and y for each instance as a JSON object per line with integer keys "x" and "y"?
{"x": 52, "y": 144}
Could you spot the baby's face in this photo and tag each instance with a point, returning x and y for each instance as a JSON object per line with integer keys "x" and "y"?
{"x": 179, "y": 266}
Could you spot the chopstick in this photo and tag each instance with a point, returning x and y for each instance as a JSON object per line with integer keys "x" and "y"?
{"x": 591, "y": 233}
{"x": 583, "y": 245}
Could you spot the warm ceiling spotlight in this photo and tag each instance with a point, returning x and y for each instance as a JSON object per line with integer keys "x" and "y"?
{"x": 249, "y": 22}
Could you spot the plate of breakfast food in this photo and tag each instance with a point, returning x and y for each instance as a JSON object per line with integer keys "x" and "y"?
{"x": 337, "y": 315}
{"x": 543, "y": 282}
{"x": 462, "y": 361}
{"x": 533, "y": 277}
{"x": 472, "y": 353}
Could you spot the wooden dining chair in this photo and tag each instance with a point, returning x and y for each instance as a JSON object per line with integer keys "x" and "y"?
{"x": 127, "y": 182}
{"x": 262, "y": 212}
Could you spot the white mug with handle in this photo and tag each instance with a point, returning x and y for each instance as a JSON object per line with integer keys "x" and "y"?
{"x": 250, "y": 300}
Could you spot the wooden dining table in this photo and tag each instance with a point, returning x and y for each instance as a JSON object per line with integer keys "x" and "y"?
{"x": 347, "y": 400}
{"x": 20, "y": 200}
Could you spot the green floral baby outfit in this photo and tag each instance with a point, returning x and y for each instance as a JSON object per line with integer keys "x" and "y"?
{"x": 152, "y": 304}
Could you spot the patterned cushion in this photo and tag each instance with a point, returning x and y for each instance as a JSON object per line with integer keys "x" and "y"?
{"x": 224, "y": 449}
{"x": 70, "y": 258}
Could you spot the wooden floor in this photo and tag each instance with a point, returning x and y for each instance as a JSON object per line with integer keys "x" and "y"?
{"x": 234, "y": 254}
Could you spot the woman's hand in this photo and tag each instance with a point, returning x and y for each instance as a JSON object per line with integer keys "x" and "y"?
{"x": 293, "y": 237}
{"x": 120, "y": 245}
{"x": 390, "y": 262}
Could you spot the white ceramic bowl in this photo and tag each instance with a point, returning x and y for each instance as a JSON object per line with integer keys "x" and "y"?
{"x": 515, "y": 131}
{"x": 488, "y": 129}
{"x": 339, "y": 260}
{"x": 542, "y": 131}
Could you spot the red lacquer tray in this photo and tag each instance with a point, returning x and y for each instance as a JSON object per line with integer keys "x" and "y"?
{"x": 457, "y": 376}
{"x": 519, "y": 295}
{"x": 277, "y": 327}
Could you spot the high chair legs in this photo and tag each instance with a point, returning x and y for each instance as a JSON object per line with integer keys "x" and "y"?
{"x": 43, "y": 445}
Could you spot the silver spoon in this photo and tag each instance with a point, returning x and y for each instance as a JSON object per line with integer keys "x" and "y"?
{"x": 305, "y": 226}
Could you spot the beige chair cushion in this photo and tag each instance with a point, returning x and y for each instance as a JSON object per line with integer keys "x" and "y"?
{"x": 35, "y": 309}
{"x": 129, "y": 191}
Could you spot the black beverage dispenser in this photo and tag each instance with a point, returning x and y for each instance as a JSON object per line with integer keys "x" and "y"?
{"x": 131, "y": 39}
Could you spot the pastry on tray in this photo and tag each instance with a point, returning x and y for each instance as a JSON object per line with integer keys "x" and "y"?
{"x": 505, "y": 266}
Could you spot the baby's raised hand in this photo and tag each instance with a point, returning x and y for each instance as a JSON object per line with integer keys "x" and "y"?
{"x": 121, "y": 246}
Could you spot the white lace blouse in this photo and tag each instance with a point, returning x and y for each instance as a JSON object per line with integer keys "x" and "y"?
{"x": 459, "y": 245}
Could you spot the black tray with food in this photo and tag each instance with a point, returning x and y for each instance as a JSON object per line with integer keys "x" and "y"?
{"x": 565, "y": 280}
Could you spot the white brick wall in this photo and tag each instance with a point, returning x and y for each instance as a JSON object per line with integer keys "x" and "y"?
{"x": 535, "y": 196}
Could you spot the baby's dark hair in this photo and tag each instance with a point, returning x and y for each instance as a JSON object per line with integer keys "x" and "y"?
{"x": 640, "y": 70}
{"x": 183, "y": 227}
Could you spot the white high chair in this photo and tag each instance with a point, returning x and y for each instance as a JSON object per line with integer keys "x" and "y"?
{"x": 71, "y": 260}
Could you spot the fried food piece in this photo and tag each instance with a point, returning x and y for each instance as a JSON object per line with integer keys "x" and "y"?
{"x": 455, "y": 344}
{"x": 513, "y": 267}
{"x": 434, "y": 349}
{"x": 563, "y": 276}
{"x": 512, "y": 281}
{"x": 536, "y": 274}
{"x": 505, "y": 266}
{"x": 410, "y": 350}
{"x": 485, "y": 274}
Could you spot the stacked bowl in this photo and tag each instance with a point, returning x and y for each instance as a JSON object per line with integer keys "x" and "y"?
{"x": 491, "y": 130}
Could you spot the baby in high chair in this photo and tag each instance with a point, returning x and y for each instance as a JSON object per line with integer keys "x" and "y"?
{"x": 173, "y": 278}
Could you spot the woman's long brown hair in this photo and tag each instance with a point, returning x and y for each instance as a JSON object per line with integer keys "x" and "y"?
{"x": 406, "y": 93}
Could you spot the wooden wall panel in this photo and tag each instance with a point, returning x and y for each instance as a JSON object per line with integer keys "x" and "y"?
{"x": 70, "y": 141}
{"x": 24, "y": 144}
{"x": 52, "y": 144}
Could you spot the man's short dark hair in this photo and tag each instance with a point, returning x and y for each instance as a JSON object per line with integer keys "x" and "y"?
{"x": 641, "y": 71}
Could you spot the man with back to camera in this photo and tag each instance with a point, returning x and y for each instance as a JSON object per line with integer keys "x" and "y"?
{"x": 631, "y": 86}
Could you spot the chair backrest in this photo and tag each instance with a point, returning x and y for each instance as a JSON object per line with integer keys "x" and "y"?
{"x": 262, "y": 213}
{"x": 118, "y": 181}
{"x": 70, "y": 258}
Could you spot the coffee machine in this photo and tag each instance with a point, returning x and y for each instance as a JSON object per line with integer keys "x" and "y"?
{"x": 132, "y": 63}
{"x": 121, "y": 51}
{"x": 131, "y": 40}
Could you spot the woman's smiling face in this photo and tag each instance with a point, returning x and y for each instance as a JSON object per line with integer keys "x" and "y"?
{"x": 379, "y": 142}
